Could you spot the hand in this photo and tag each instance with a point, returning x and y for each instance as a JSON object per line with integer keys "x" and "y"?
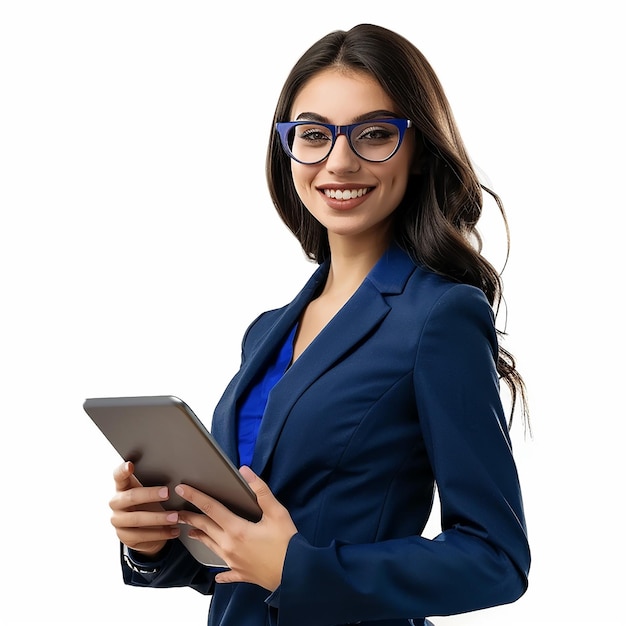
{"x": 139, "y": 519}
{"x": 255, "y": 552}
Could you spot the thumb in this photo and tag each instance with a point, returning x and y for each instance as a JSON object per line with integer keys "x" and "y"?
{"x": 260, "y": 488}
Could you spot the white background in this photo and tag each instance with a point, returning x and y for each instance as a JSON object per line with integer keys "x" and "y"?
{"x": 137, "y": 241}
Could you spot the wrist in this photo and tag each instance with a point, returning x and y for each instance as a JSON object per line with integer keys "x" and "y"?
{"x": 141, "y": 562}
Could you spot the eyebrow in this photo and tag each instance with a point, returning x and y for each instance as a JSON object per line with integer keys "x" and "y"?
{"x": 371, "y": 115}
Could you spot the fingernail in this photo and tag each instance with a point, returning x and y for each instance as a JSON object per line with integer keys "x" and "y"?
{"x": 179, "y": 490}
{"x": 247, "y": 473}
{"x": 163, "y": 492}
{"x": 172, "y": 517}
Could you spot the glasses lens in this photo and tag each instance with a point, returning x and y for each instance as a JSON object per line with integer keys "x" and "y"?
{"x": 310, "y": 143}
{"x": 375, "y": 141}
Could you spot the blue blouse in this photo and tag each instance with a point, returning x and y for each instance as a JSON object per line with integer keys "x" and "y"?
{"x": 253, "y": 405}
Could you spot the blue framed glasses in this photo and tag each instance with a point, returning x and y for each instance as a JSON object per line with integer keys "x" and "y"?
{"x": 373, "y": 140}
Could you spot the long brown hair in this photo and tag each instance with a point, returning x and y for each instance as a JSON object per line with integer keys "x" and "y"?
{"x": 436, "y": 221}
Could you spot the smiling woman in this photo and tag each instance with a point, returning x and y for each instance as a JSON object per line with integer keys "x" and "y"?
{"x": 345, "y": 176}
{"x": 376, "y": 384}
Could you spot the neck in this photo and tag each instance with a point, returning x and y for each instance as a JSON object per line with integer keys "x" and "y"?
{"x": 351, "y": 261}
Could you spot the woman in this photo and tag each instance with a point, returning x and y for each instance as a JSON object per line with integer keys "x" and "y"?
{"x": 378, "y": 381}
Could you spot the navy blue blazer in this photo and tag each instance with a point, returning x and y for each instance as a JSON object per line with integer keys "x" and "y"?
{"x": 398, "y": 392}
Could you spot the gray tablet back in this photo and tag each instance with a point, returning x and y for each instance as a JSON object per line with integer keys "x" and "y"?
{"x": 169, "y": 445}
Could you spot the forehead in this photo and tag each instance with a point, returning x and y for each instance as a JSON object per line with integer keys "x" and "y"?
{"x": 341, "y": 95}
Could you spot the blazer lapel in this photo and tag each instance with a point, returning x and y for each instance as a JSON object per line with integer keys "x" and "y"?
{"x": 358, "y": 317}
{"x": 225, "y": 430}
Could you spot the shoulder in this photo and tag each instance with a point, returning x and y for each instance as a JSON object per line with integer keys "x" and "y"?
{"x": 438, "y": 312}
{"x": 459, "y": 298}
{"x": 420, "y": 288}
{"x": 457, "y": 318}
{"x": 435, "y": 295}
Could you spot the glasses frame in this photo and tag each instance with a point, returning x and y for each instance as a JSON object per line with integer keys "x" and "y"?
{"x": 284, "y": 128}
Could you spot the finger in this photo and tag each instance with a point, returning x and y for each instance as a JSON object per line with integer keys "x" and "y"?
{"x": 122, "y": 475}
{"x": 143, "y": 519}
{"x": 200, "y": 521}
{"x": 264, "y": 495}
{"x": 147, "y": 540}
{"x": 138, "y": 497}
{"x": 134, "y": 537}
{"x": 229, "y": 576}
{"x": 209, "y": 542}
{"x": 209, "y": 506}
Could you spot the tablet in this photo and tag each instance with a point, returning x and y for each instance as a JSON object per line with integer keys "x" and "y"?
{"x": 169, "y": 445}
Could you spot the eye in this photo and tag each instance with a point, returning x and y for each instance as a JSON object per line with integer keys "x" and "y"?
{"x": 313, "y": 134}
{"x": 375, "y": 133}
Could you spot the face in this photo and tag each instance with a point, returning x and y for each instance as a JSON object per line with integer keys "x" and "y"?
{"x": 353, "y": 198}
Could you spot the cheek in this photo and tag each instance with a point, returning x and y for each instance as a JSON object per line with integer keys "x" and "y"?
{"x": 296, "y": 179}
{"x": 399, "y": 185}
{"x": 302, "y": 176}
{"x": 401, "y": 181}
{"x": 296, "y": 175}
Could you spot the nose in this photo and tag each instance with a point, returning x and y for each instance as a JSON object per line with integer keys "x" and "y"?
{"x": 341, "y": 157}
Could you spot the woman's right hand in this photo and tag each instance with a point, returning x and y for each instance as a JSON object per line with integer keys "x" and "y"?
{"x": 139, "y": 519}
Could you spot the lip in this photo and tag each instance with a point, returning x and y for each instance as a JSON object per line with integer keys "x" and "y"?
{"x": 341, "y": 204}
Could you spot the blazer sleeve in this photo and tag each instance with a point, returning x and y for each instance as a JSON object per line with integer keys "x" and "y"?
{"x": 176, "y": 568}
{"x": 481, "y": 558}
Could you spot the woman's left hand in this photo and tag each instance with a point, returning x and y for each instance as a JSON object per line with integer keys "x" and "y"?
{"x": 255, "y": 552}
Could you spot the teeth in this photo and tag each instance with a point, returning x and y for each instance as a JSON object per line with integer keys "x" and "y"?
{"x": 345, "y": 194}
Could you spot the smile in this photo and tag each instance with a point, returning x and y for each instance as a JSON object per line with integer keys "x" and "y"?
{"x": 346, "y": 194}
